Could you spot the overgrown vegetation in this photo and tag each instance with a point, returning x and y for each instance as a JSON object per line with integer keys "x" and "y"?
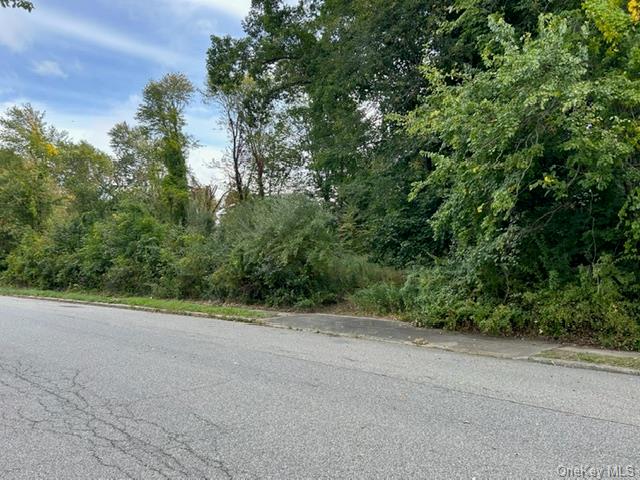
{"x": 466, "y": 164}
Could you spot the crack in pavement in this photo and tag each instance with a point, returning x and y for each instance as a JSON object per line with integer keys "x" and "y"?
{"x": 117, "y": 438}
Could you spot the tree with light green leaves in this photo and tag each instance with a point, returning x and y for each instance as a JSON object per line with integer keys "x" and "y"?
{"x": 538, "y": 154}
{"x": 162, "y": 115}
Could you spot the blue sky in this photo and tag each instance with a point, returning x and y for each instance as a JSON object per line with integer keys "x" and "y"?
{"x": 86, "y": 62}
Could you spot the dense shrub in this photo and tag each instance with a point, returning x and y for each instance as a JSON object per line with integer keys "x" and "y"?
{"x": 122, "y": 253}
{"x": 278, "y": 251}
{"x": 195, "y": 257}
{"x": 597, "y": 308}
{"x": 283, "y": 251}
{"x": 27, "y": 199}
{"x": 381, "y": 298}
{"x": 50, "y": 259}
{"x": 125, "y": 252}
{"x": 30, "y": 263}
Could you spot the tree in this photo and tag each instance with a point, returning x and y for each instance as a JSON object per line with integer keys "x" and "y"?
{"x": 204, "y": 207}
{"x": 24, "y": 131}
{"x": 27, "y": 199}
{"x": 162, "y": 115}
{"x": 538, "y": 152}
{"x": 137, "y": 165}
{"x": 85, "y": 174}
{"x": 17, "y": 4}
{"x": 264, "y": 151}
{"x": 81, "y": 173}
{"x": 347, "y": 65}
{"x": 31, "y": 157}
{"x": 236, "y": 161}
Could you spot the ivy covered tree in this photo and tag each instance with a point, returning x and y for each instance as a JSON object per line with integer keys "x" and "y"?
{"x": 161, "y": 113}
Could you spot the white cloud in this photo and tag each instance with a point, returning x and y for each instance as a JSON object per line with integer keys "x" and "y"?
{"x": 95, "y": 34}
{"x": 234, "y": 8}
{"x": 14, "y": 32}
{"x": 205, "y": 26}
{"x": 49, "y": 68}
{"x": 18, "y": 31}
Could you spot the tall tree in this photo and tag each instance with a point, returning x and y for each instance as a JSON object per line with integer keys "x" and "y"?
{"x": 44, "y": 175}
{"x": 262, "y": 158}
{"x": 162, "y": 115}
{"x": 236, "y": 160}
{"x": 347, "y": 66}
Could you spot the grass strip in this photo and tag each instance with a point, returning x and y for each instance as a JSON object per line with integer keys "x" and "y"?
{"x": 168, "y": 305}
{"x": 615, "y": 361}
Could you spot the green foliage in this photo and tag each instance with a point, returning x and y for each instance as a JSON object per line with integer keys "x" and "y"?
{"x": 378, "y": 220}
{"x": 136, "y": 161}
{"x": 26, "y": 5}
{"x": 285, "y": 250}
{"x": 85, "y": 175}
{"x": 121, "y": 253}
{"x": 162, "y": 115}
{"x": 491, "y": 147}
{"x": 278, "y": 251}
{"x": 194, "y": 258}
{"x": 125, "y": 252}
{"x": 27, "y": 197}
{"x": 610, "y": 18}
{"x": 380, "y": 298}
{"x": 597, "y": 307}
{"x": 538, "y": 153}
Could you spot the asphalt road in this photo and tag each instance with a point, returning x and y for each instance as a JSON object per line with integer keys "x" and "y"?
{"x": 101, "y": 393}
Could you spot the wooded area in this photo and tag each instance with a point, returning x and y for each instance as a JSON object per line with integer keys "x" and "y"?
{"x": 469, "y": 164}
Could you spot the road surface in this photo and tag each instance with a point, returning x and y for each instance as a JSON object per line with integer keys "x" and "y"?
{"x": 102, "y": 393}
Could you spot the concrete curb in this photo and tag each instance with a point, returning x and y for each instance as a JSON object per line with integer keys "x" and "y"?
{"x": 584, "y": 365}
{"x": 434, "y": 346}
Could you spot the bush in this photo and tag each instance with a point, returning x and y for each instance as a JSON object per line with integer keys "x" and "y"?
{"x": 49, "y": 260}
{"x": 29, "y": 265}
{"x": 381, "y": 298}
{"x": 125, "y": 253}
{"x": 27, "y": 198}
{"x": 593, "y": 310}
{"x": 502, "y": 320}
{"x": 598, "y": 306}
{"x": 278, "y": 251}
{"x": 285, "y": 251}
{"x": 195, "y": 258}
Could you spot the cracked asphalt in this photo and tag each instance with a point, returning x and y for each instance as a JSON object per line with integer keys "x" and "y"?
{"x": 102, "y": 393}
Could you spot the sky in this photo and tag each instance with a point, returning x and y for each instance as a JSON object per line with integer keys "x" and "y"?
{"x": 85, "y": 63}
